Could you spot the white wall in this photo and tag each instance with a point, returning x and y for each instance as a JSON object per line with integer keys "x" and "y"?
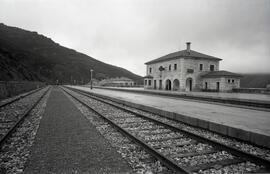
{"x": 225, "y": 86}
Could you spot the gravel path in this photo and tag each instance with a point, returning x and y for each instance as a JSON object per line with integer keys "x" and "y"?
{"x": 67, "y": 143}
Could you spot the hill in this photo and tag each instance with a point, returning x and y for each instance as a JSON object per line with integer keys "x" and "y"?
{"x": 26, "y": 55}
{"x": 255, "y": 80}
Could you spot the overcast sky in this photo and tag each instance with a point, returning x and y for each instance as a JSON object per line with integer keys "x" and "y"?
{"x": 128, "y": 33}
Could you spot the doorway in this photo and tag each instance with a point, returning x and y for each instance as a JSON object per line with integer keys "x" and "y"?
{"x": 189, "y": 84}
{"x": 168, "y": 85}
{"x": 176, "y": 85}
{"x": 160, "y": 84}
{"x": 217, "y": 86}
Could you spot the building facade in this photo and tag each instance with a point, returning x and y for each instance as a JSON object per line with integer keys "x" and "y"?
{"x": 188, "y": 70}
{"x": 117, "y": 82}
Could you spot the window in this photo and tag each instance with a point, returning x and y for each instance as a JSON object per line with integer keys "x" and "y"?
{"x": 232, "y": 80}
{"x": 205, "y": 85}
{"x": 212, "y": 67}
{"x": 145, "y": 82}
{"x": 150, "y": 70}
{"x": 169, "y": 67}
{"x": 175, "y": 66}
{"x": 149, "y": 82}
{"x": 229, "y": 80}
{"x": 201, "y": 67}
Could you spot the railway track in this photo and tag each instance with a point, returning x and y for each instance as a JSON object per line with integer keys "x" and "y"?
{"x": 10, "y": 121}
{"x": 179, "y": 150}
{"x": 19, "y": 97}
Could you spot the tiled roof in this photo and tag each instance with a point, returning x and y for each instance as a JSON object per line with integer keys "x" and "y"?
{"x": 183, "y": 53}
{"x": 148, "y": 76}
{"x": 220, "y": 74}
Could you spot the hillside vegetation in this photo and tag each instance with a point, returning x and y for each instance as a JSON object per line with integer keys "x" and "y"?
{"x": 26, "y": 55}
{"x": 255, "y": 80}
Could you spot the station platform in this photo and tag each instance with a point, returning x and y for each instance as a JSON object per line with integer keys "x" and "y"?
{"x": 242, "y": 123}
{"x": 67, "y": 142}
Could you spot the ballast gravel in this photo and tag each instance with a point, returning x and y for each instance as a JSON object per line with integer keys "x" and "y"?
{"x": 203, "y": 159}
{"x": 240, "y": 168}
{"x": 186, "y": 149}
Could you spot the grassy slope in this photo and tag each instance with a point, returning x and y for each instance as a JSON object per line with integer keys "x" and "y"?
{"x": 255, "y": 80}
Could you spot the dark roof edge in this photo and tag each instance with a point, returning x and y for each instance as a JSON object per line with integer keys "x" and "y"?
{"x": 221, "y": 73}
{"x": 152, "y": 62}
{"x": 211, "y": 76}
{"x": 148, "y": 76}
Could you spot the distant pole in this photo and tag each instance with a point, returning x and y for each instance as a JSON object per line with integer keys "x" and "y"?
{"x": 91, "y": 80}
{"x": 71, "y": 80}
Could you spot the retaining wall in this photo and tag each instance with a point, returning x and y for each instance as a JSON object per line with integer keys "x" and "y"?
{"x": 11, "y": 88}
{"x": 252, "y": 90}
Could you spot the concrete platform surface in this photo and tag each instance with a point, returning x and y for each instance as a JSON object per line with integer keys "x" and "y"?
{"x": 66, "y": 142}
{"x": 248, "y": 120}
{"x": 226, "y": 95}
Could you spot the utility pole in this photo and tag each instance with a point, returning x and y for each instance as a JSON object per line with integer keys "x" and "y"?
{"x": 71, "y": 80}
{"x": 91, "y": 80}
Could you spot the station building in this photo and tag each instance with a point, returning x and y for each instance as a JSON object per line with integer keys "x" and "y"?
{"x": 188, "y": 70}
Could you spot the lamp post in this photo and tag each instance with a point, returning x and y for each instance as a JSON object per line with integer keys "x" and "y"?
{"x": 91, "y": 71}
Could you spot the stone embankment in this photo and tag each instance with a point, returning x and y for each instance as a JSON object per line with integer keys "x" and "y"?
{"x": 11, "y": 88}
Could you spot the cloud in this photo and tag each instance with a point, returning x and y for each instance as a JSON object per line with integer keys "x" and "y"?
{"x": 128, "y": 33}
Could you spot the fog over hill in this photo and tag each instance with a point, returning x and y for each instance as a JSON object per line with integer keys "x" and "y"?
{"x": 26, "y": 55}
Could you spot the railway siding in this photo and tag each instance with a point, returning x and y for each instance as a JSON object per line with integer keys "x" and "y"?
{"x": 204, "y": 159}
{"x": 227, "y": 130}
{"x": 21, "y": 118}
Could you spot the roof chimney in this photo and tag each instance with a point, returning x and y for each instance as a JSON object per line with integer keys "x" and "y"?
{"x": 188, "y": 47}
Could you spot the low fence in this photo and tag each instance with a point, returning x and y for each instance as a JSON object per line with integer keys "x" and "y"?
{"x": 11, "y": 88}
{"x": 252, "y": 90}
